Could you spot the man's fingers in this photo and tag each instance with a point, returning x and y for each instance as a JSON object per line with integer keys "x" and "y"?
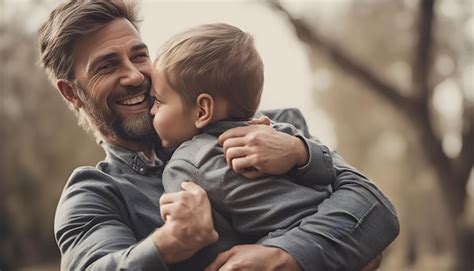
{"x": 235, "y": 152}
{"x": 165, "y": 211}
{"x": 373, "y": 265}
{"x": 169, "y": 198}
{"x": 234, "y": 133}
{"x": 262, "y": 120}
{"x": 220, "y": 260}
{"x": 233, "y": 143}
{"x": 243, "y": 163}
{"x": 192, "y": 188}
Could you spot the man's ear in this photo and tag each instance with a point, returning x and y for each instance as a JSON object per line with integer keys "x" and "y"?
{"x": 68, "y": 91}
{"x": 205, "y": 110}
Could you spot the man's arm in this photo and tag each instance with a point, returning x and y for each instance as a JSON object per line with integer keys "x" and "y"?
{"x": 350, "y": 228}
{"x": 93, "y": 232}
{"x": 265, "y": 152}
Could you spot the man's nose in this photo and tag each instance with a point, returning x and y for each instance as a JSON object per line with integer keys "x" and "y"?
{"x": 132, "y": 75}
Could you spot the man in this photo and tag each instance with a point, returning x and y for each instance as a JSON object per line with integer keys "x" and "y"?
{"x": 113, "y": 216}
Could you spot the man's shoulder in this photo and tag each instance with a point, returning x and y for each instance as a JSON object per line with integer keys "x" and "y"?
{"x": 88, "y": 176}
{"x": 88, "y": 192}
{"x": 89, "y": 186}
{"x": 287, "y": 115}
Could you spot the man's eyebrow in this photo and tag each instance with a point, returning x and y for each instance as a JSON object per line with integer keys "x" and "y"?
{"x": 139, "y": 47}
{"x": 107, "y": 56}
{"x": 113, "y": 55}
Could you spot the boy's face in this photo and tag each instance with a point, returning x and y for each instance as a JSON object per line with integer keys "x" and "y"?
{"x": 173, "y": 120}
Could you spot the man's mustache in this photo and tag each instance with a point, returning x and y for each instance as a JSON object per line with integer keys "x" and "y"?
{"x": 144, "y": 87}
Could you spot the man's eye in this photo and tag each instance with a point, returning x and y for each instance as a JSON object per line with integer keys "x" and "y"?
{"x": 140, "y": 57}
{"x": 106, "y": 67}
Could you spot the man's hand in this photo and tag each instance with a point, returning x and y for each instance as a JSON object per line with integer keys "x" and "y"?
{"x": 258, "y": 150}
{"x": 373, "y": 265}
{"x": 188, "y": 223}
{"x": 254, "y": 257}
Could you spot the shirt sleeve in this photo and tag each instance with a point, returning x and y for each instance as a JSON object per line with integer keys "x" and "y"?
{"x": 176, "y": 172}
{"x": 92, "y": 230}
{"x": 349, "y": 229}
{"x": 319, "y": 169}
{"x": 256, "y": 206}
{"x": 181, "y": 170}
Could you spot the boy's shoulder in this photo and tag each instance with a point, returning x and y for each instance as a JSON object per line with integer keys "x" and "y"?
{"x": 199, "y": 149}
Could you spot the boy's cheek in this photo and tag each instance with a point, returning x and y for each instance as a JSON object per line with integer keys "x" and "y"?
{"x": 155, "y": 123}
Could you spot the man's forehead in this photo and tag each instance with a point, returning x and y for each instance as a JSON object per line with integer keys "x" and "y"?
{"x": 116, "y": 35}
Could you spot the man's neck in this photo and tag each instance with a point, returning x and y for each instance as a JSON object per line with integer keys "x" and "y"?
{"x": 144, "y": 146}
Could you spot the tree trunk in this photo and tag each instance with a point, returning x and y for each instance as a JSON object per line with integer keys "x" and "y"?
{"x": 452, "y": 174}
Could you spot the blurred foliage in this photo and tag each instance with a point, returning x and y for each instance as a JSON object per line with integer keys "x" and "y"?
{"x": 384, "y": 66}
{"x": 40, "y": 145}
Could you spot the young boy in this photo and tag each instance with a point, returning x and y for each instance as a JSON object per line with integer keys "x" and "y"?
{"x": 206, "y": 80}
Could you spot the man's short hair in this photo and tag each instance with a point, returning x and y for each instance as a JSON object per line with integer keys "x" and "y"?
{"x": 72, "y": 20}
{"x": 218, "y": 59}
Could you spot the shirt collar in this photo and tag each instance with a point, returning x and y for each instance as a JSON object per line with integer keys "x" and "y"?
{"x": 219, "y": 127}
{"x": 137, "y": 161}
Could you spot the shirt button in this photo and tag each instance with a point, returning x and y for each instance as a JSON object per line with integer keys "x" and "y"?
{"x": 142, "y": 170}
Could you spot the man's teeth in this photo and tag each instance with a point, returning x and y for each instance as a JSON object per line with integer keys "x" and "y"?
{"x": 134, "y": 100}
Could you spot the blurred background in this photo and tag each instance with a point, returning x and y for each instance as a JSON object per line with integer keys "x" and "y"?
{"x": 388, "y": 83}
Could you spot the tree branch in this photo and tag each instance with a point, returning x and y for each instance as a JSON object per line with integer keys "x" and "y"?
{"x": 422, "y": 57}
{"x": 308, "y": 35}
{"x": 465, "y": 160}
{"x": 453, "y": 173}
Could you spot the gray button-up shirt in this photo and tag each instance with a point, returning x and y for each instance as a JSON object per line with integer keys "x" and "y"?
{"x": 106, "y": 214}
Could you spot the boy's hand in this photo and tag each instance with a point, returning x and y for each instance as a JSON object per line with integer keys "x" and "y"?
{"x": 254, "y": 257}
{"x": 258, "y": 150}
{"x": 188, "y": 223}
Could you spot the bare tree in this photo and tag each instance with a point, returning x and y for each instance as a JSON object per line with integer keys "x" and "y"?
{"x": 452, "y": 173}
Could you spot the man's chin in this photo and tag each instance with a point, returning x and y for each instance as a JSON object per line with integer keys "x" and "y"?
{"x": 138, "y": 127}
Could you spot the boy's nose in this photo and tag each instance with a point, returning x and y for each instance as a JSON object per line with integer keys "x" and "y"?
{"x": 153, "y": 108}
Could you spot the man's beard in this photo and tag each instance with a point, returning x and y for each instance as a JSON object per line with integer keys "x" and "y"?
{"x": 137, "y": 127}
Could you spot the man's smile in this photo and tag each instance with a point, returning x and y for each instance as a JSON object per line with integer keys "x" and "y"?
{"x": 134, "y": 104}
{"x": 133, "y": 100}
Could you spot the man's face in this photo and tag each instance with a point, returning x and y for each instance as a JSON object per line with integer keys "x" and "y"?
{"x": 112, "y": 68}
{"x": 173, "y": 119}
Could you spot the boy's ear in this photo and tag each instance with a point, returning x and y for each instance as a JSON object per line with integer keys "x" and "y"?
{"x": 68, "y": 91}
{"x": 205, "y": 110}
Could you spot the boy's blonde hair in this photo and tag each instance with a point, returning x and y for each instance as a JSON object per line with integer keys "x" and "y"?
{"x": 218, "y": 59}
